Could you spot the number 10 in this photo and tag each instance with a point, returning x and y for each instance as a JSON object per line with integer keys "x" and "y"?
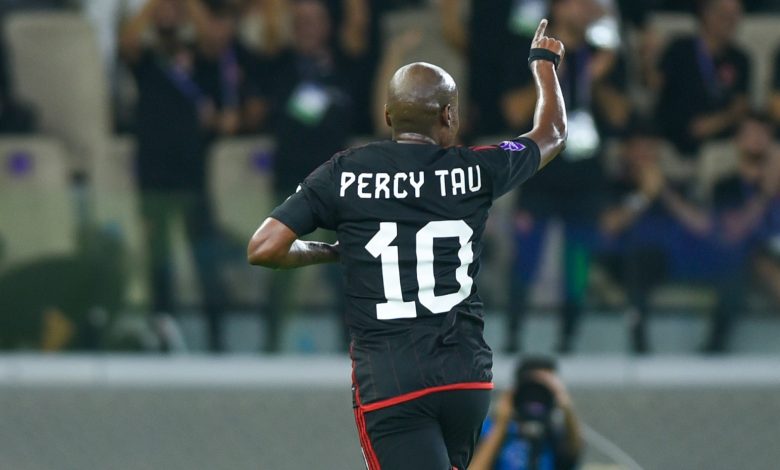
{"x": 380, "y": 247}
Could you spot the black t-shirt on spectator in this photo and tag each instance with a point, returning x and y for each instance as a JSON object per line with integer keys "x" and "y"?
{"x": 696, "y": 84}
{"x": 168, "y": 131}
{"x": 306, "y": 137}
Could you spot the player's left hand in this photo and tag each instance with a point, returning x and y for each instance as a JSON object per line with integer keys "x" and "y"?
{"x": 541, "y": 41}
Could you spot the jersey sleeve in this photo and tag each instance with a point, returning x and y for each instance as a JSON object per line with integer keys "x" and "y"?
{"x": 509, "y": 163}
{"x": 313, "y": 205}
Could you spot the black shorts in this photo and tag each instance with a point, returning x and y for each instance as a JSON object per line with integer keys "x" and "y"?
{"x": 433, "y": 432}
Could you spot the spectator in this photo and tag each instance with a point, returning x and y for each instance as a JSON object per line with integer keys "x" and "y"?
{"x": 313, "y": 120}
{"x": 312, "y": 106}
{"x": 747, "y": 223}
{"x": 644, "y": 223}
{"x": 704, "y": 79}
{"x": 355, "y": 41}
{"x": 229, "y": 73}
{"x": 175, "y": 117}
{"x": 593, "y": 84}
{"x": 654, "y": 235}
{"x": 534, "y": 426}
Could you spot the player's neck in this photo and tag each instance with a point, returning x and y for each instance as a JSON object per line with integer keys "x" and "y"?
{"x": 414, "y": 138}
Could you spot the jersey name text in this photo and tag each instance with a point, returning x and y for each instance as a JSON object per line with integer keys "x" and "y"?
{"x": 454, "y": 182}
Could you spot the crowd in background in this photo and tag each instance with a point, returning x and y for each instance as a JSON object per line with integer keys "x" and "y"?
{"x": 309, "y": 72}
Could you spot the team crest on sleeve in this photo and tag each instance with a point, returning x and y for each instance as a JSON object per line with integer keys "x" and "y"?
{"x": 512, "y": 146}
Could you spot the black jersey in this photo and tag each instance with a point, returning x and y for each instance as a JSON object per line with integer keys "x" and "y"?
{"x": 409, "y": 219}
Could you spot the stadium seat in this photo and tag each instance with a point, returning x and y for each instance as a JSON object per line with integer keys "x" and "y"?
{"x": 240, "y": 187}
{"x": 240, "y": 183}
{"x": 37, "y": 207}
{"x": 115, "y": 207}
{"x": 56, "y": 66}
{"x": 760, "y": 36}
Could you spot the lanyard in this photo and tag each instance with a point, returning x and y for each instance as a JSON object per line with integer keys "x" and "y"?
{"x": 182, "y": 80}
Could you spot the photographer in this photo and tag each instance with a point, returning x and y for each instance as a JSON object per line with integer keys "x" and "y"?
{"x": 534, "y": 426}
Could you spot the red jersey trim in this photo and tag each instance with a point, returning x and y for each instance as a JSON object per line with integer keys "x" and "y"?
{"x": 378, "y": 405}
{"x": 482, "y": 148}
{"x": 369, "y": 455}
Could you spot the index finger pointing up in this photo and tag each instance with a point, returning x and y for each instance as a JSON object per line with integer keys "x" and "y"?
{"x": 540, "y": 30}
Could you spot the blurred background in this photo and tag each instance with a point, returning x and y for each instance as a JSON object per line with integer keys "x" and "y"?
{"x": 143, "y": 141}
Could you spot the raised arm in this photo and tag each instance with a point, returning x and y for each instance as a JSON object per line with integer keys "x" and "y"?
{"x": 549, "y": 131}
{"x": 275, "y": 246}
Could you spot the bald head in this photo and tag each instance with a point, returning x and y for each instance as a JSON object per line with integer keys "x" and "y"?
{"x": 422, "y": 98}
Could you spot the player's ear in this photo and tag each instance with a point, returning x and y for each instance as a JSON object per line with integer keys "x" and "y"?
{"x": 446, "y": 116}
{"x": 388, "y": 121}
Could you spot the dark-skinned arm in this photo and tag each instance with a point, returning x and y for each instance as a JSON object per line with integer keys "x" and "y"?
{"x": 550, "y": 129}
{"x": 275, "y": 246}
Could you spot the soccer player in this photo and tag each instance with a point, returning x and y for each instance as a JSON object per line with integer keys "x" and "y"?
{"x": 409, "y": 214}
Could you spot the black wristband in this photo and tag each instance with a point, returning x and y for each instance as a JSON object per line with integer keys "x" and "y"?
{"x": 539, "y": 53}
